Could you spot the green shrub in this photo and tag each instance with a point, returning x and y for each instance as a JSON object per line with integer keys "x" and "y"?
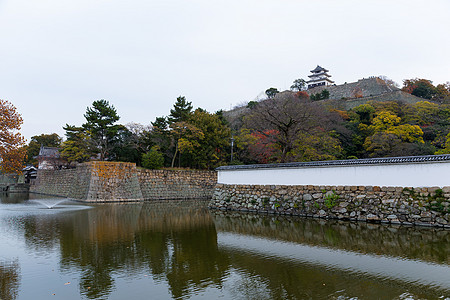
{"x": 153, "y": 159}
{"x": 330, "y": 200}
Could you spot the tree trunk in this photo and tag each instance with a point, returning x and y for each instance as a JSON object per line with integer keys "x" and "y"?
{"x": 174, "y": 155}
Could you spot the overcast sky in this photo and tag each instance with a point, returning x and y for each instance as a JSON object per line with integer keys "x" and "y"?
{"x": 58, "y": 56}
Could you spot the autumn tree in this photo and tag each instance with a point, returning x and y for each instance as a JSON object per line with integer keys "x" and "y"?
{"x": 317, "y": 146}
{"x": 185, "y": 137}
{"x": 12, "y": 152}
{"x": 290, "y": 117}
{"x": 258, "y": 147}
{"x": 387, "y": 133}
{"x": 442, "y": 93}
{"x": 422, "y": 88}
{"x": 302, "y": 95}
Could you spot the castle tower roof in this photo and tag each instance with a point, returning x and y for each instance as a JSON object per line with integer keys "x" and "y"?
{"x": 319, "y": 77}
{"x": 319, "y": 69}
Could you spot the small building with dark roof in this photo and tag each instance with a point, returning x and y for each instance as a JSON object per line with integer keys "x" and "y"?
{"x": 49, "y": 158}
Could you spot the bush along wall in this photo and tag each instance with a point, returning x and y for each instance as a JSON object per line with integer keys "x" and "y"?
{"x": 396, "y": 205}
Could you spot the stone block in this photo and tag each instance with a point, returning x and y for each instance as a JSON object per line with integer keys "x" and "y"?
{"x": 372, "y": 217}
{"x": 432, "y": 189}
{"x": 317, "y": 195}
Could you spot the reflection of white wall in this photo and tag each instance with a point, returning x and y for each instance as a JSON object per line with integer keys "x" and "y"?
{"x": 383, "y": 267}
{"x": 403, "y": 175}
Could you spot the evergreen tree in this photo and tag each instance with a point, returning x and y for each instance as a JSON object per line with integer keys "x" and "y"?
{"x": 160, "y": 123}
{"x": 271, "y": 92}
{"x": 153, "y": 159}
{"x": 76, "y": 147}
{"x": 100, "y": 126}
{"x": 181, "y": 110}
{"x": 298, "y": 85}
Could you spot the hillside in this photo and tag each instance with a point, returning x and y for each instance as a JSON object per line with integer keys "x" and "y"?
{"x": 345, "y": 96}
{"x": 366, "y": 87}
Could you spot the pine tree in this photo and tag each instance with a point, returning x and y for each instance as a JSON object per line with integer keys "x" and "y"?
{"x": 100, "y": 125}
{"x": 181, "y": 110}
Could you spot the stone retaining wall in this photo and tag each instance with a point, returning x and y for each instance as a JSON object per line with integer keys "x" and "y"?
{"x": 117, "y": 181}
{"x": 395, "y": 205}
{"x": 176, "y": 184}
{"x": 366, "y": 87}
{"x": 62, "y": 183}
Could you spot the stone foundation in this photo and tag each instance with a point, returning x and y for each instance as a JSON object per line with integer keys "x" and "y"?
{"x": 117, "y": 181}
{"x": 176, "y": 184}
{"x": 395, "y": 205}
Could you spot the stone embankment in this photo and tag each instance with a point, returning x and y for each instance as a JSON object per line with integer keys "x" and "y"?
{"x": 366, "y": 87}
{"x": 176, "y": 184}
{"x": 118, "y": 181}
{"x": 395, "y": 205}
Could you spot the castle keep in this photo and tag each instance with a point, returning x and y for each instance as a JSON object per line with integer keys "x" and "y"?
{"x": 319, "y": 77}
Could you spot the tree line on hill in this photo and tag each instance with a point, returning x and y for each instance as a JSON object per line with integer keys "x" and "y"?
{"x": 285, "y": 127}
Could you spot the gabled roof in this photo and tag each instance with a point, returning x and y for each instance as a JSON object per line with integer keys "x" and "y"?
{"x": 52, "y": 152}
{"x": 319, "y": 69}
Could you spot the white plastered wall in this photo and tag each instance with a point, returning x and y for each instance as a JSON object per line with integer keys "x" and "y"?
{"x": 403, "y": 175}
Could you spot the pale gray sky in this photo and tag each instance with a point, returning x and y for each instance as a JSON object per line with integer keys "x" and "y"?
{"x": 58, "y": 56}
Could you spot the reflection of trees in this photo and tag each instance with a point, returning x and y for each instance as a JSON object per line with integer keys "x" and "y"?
{"x": 186, "y": 259}
{"x": 9, "y": 279}
{"x": 428, "y": 244}
{"x": 41, "y": 233}
{"x": 195, "y": 261}
{"x": 177, "y": 243}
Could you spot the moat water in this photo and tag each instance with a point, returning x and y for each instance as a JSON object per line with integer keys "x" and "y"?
{"x": 53, "y": 249}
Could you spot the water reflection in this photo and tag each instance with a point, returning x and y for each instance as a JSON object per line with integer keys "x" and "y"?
{"x": 9, "y": 279}
{"x": 308, "y": 258}
{"x": 429, "y": 244}
{"x": 172, "y": 242}
{"x": 350, "y": 263}
{"x": 182, "y": 250}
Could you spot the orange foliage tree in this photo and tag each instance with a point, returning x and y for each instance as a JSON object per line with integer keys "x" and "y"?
{"x": 12, "y": 150}
{"x": 264, "y": 149}
{"x": 302, "y": 95}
